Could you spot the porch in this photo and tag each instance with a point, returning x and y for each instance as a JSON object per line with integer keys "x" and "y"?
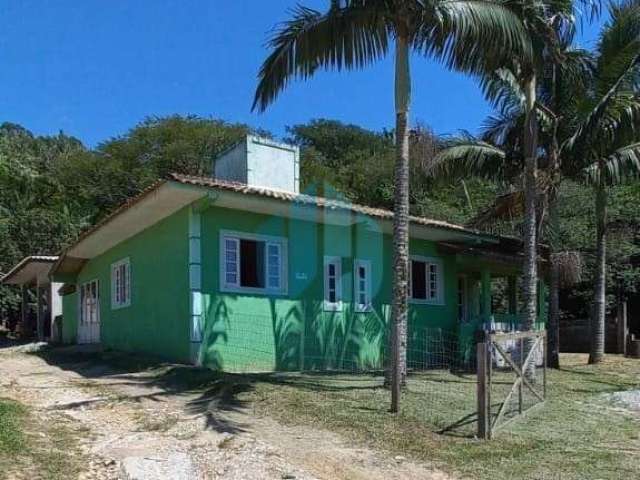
{"x": 489, "y": 293}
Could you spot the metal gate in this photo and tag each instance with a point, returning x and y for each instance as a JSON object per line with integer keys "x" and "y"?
{"x": 508, "y": 367}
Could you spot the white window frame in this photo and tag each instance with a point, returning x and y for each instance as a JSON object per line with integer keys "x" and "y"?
{"x": 269, "y": 240}
{"x": 116, "y": 302}
{"x": 328, "y": 305}
{"x": 437, "y": 262}
{"x": 357, "y": 291}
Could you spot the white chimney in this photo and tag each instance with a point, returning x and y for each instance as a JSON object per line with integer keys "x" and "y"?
{"x": 260, "y": 162}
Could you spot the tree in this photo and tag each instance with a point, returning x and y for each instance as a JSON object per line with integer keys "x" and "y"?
{"x": 607, "y": 136}
{"x": 599, "y": 104}
{"x": 354, "y": 33}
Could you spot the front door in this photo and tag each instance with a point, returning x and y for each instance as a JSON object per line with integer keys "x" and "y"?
{"x": 89, "y": 318}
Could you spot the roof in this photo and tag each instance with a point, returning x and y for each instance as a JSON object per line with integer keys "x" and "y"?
{"x": 313, "y": 200}
{"x": 167, "y": 196}
{"x": 29, "y": 270}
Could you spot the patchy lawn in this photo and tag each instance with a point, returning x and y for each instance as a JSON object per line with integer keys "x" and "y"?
{"x": 579, "y": 433}
{"x": 32, "y": 449}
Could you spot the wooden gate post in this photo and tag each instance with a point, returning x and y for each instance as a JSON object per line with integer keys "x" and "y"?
{"x": 484, "y": 409}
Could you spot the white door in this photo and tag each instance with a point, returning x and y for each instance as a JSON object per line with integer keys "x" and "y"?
{"x": 89, "y": 318}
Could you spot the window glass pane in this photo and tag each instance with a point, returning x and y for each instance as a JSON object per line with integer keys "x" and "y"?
{"x": 418, "y": 280}
{"x": 433, "y": 281}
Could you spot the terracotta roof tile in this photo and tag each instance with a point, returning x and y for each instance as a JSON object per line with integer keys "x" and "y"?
{"x": 313, "y": 200}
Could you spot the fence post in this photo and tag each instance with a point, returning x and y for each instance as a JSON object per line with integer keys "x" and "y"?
{"x": 545, "y": 352}
{"x": 484, "y": 420}
{"x": 520, "y": 386}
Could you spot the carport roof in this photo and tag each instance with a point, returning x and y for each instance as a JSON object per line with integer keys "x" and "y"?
{"x": 30, "y": 270}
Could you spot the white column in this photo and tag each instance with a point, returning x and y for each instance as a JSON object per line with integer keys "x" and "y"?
{"x": 195, "y": 285}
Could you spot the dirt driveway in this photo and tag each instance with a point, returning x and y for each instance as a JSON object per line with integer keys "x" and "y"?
{"x": 130, "y": 426}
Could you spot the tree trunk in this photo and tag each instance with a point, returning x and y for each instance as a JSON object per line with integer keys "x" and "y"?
{"x": 599, "y": 295}
{"x": 530, "y": 274}
{"x": 400, "y": 223}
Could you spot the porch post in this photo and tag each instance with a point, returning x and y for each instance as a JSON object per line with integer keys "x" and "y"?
{"x": 512, "y": 292}
{"x": 24, "y": 306}
{"x": 39, "y": 312}
{"x": 485, "y": 295}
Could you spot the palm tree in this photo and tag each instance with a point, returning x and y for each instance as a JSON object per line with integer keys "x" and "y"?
{"x": 600, "y": 107}
{"x": 352, "y": 34}
{"x": 607, "y": 137}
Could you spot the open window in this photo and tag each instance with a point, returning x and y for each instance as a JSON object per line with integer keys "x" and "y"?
{"x": 252, "y": 263}
{"x": 425, "y": 280}
{"x": 362, "y": 285}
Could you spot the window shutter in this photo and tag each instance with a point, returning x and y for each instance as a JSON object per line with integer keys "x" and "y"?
{"x": 274, "y": 266}
{"x": 231, "y": 262}
{"x": 127, "y": 277}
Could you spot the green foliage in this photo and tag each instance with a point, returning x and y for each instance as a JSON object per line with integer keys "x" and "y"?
{"x": 53, "y": 187}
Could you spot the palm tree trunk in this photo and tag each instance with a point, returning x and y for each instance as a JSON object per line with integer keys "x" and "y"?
{"x": 530, "y": 273}
{"x": 599, "y": 295}
{"x": 400, "y": 223}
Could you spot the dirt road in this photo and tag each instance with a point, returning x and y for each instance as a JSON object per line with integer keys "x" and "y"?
{"x": 129, "y": 427}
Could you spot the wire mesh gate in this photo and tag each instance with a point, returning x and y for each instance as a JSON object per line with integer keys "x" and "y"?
{"x": 511, "y": 367}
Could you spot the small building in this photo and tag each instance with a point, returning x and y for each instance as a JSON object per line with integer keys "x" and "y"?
{"x": 243, "y": 272}
{"x": 31, "y": 274}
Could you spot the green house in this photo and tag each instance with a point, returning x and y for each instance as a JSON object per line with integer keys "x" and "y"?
{"x": 243, "y": 272}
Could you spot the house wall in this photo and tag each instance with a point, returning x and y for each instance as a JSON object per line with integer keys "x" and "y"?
{"x": 266, "y": 332}
{"x": 157, "y": 321}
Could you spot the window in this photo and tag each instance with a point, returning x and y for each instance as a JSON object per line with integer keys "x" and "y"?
{"x": 425, "y": 285}
{"x": 362, "y": 285}
{"x": 121, "y": 284}
{"x": 332, "y": 283}
{"x": 252, "y": 263}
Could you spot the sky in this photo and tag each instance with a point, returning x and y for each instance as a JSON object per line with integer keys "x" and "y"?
{"x": 95, "y": 68}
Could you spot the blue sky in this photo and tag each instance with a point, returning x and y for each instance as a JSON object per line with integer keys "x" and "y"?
{"x": 94, "y": 68}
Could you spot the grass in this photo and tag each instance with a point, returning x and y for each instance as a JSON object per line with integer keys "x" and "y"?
{"x": 33, "y": 448}
{"x": 11, "y": 434}
{"x": 577, "y": 434}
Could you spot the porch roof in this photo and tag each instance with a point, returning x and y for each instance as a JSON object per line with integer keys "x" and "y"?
{"x": 30, "y": 270}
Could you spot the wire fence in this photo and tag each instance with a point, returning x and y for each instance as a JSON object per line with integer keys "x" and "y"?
{"x": 441, "y": 387}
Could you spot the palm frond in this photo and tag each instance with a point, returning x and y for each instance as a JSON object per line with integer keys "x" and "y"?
{"x": 475, "y": 36}
{"x": 345, "y": 37}
{"x": 465, "y": 157}
{"x": 623, "y": 163}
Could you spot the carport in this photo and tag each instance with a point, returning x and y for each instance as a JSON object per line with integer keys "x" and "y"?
{"x": 31, "y": 274}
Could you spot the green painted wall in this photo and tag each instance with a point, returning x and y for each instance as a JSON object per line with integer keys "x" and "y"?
{"x": 157, "y": 321}
{"x": 259, "y": 332}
